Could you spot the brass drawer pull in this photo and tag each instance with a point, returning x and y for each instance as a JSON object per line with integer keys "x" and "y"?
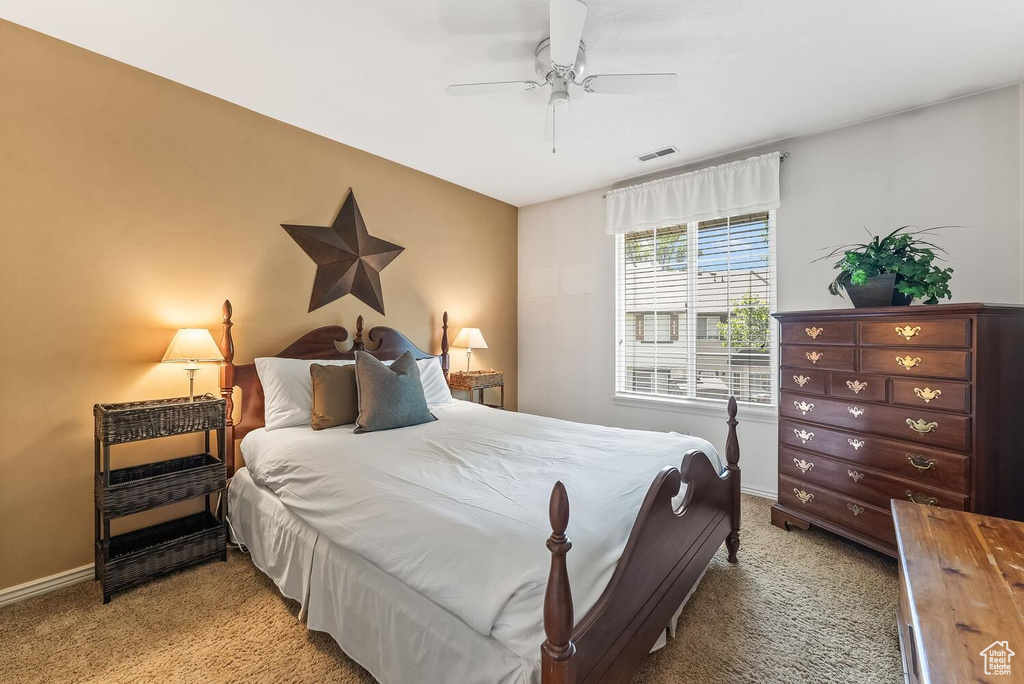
{"x": 856, "y": 443}
{"x": 908, "y": 362}
{"x": 803, "y": 465}
{"x": 856, "y": 385}
{"x": 803, "y": 435}
{"x": 921, "y": 463}
{"x": 801, "y": 380}
{"x": 805, "y": 497}
{"x": 814, "y": 356}
{"x": 906, "y": 332}
{"x": 803, "y": 407}
{"x": 813, "y": 332}
{"x": 857, "y": 477}
{"x": 927, "y": 393}
{"x": 921, "y": 427}
{"x": 856, "y": 411}
{"x": 922, "y": 499}
{"x": 855, "y": 509}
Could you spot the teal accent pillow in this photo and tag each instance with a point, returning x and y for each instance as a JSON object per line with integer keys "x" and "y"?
{"x": 389, "y": 396}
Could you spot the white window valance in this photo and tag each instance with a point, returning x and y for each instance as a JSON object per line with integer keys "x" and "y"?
{"x": 741, "y": 187}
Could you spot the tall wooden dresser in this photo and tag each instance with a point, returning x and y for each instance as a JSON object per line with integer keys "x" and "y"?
{"x": 922, "y": 403}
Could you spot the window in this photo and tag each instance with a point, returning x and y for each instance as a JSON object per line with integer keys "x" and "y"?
{"x": 708, "y": 327}
{"x": 651, "y": 381}
{"x": 655, "y": 326}
{"x": 692, "y": 305}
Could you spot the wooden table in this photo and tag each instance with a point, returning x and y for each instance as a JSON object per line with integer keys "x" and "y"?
{"x": 961, "y": 594}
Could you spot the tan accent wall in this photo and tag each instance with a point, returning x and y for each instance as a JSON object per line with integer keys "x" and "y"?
{"x": 131, "y": 206}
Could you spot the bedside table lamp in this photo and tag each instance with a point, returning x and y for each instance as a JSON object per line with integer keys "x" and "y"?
{"x": 471, "y": 339}
{"x": 190, "y": 346}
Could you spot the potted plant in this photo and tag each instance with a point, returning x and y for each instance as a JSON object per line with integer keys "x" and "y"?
{"x": 891, "y": 271}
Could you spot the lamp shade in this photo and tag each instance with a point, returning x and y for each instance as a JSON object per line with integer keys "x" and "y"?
{"x": 193, "y": 344}
{"x": 470, "y": 338}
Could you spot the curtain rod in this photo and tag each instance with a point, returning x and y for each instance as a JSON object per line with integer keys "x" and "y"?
{"x": 782, "y": 158}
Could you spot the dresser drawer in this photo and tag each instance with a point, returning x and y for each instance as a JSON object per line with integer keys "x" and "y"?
{"x": 802, "y": 380}
{"x": 867, "y": 485}
{"x": 828, "y": 358}
{"x": 857, "y": 386}
{"x": 925, "y": 363}
{"x": 924, "y": 332}
{"x": 914, "y": 426}
{"x": 850, "y": 512}
{"x": 952, "y": 396}
{"x": 928, "y": 466}
{"x": 822, "y": 332}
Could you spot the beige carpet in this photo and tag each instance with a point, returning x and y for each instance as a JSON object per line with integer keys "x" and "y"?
{"x": 799, "y": 607}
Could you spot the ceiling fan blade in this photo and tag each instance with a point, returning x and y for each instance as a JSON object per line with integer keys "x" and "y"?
{"x": 463, "y": 89}
{"x": 630, "y": 84}
{"x": 567, "y": 19}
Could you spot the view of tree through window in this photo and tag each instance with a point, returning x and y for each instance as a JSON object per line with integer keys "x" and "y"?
{"x": 693, "y": 310}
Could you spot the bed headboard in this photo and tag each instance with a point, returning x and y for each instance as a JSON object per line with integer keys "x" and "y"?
{"x": 386, "y": 344}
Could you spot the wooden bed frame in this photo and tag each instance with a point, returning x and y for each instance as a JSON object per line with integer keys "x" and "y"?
{"x": 667, "y": 551}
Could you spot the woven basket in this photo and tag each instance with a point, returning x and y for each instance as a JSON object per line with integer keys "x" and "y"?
{"x": 134, "y": 421}
{"x": 138, "y": 556}
{"x": 142, "y": 487}
{"x": 474, "y": 379}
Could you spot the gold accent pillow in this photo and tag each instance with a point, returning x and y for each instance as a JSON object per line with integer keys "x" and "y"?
{"x": 335, "y": 399}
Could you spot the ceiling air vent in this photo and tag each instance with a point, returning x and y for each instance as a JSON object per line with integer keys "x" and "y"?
{"x": 657, "y": 153}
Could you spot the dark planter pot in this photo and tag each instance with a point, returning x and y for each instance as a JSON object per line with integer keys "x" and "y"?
{"x": 879, "y": 290}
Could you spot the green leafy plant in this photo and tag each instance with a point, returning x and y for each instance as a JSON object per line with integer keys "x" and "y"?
{"x": 670, "y": 247}
{"x": 906, "y": 252}
{"x": 747, "y": 327}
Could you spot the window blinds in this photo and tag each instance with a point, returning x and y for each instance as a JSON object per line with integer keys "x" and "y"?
{"x": 693, "y": 305}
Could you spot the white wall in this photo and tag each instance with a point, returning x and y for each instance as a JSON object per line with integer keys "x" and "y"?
{"x": 959, "y": 162}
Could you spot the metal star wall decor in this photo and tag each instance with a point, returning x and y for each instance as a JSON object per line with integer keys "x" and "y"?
{"x": 348, "y": 260}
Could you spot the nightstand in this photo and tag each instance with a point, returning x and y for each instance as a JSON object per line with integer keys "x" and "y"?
{"x": 472, "y": 381}
{"x": 133, "y": 558}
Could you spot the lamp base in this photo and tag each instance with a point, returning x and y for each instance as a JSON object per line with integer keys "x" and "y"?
{"x": 469, "y": 354}
{"x": 191, "y": 383}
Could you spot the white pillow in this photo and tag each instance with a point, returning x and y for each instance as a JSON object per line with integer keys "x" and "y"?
{"x": 435, "y": 389}
{"x": 288, "y": 390}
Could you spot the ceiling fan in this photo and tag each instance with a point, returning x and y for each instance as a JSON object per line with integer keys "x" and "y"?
{"x": 560, "y": 62}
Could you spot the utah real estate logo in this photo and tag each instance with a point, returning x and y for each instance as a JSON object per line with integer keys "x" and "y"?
{"x": 997, "y": 658}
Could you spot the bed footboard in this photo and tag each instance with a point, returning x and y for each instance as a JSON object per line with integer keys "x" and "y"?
{"x": 667, "y": 551}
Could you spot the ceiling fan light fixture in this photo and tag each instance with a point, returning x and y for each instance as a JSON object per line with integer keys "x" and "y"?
{"x": 560, "y": 61}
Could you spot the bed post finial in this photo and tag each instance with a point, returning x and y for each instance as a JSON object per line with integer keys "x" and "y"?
{"x": 227, "y": 345}
{"x": 444, "y": 344}
{"x": 558, "y": 665}
{"x": 357, "y": 342}
{"x": 227, "y": 386}
{"x": 732, "y": 458}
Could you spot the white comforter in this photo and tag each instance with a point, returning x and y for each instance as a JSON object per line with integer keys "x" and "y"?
{"x": 457, "y": 508}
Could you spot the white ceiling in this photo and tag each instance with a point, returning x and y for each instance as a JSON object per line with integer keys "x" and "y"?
{"x": 372, "y": 73}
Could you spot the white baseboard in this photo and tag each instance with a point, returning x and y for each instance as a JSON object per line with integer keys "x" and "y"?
{"x": 45, "y": 585}
{"x": 764, "y": 493}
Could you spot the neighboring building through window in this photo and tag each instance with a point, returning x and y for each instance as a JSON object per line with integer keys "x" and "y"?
{"x": 693, "y": 307}
{"x": 655, "y": 326}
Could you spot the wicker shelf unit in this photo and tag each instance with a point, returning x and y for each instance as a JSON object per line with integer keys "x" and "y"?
{"x": 478, "y": 381}
{"x": 127, "y": 560}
